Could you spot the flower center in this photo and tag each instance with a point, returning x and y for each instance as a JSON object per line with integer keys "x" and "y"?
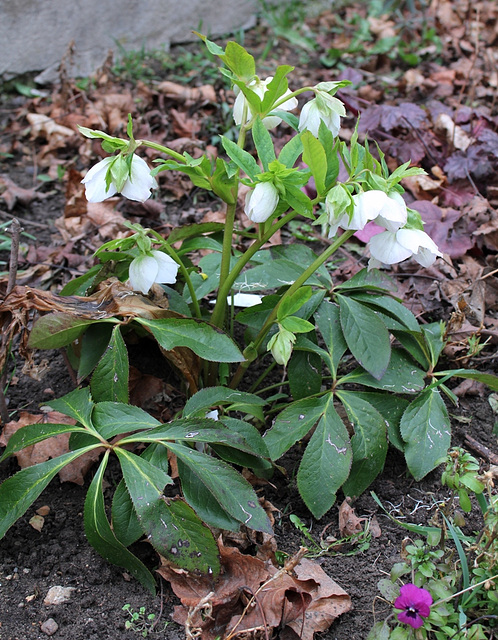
{"x": 411, "y": 612}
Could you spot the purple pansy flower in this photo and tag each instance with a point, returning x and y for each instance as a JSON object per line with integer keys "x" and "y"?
{"x": 415, "y": 603}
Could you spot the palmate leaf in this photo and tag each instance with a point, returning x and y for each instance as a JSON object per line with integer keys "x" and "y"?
{"x": 18, "y": 492}
{"x": 369, "y": 442}
{"x": 56, "y": 330}
{"x": 425, "y": 427}
{"x": 100, "y": 535}
{"x": 329, "y": 324}
{"x": 326, "y": 463}
{"x": 228, "y": 488}
{"x": 172, "y": 527}
{"x": 203, "y": 400}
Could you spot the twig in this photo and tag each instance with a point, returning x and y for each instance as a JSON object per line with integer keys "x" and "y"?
{"x": 205, "y": 605}
{"x": 481, "y": 449}
{"x": 23, "y": 220}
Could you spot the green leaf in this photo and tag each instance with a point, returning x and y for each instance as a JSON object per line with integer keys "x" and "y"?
{"x": 18, "y": 492}
{"x": 434, "y": 335}
{"x": 33, "y": 433}
{"x": 242, "y": 158}
{"x": 391, "y": 307}
{"x": 77, "y": 404}
{"x": 224, "y": 185}
{"x": 206, "y": 341}
{"x": 297, "y": 325}
{"x": 369, "y": 442}
{"x": 57, "y": 330}
{"x": 327, "y": 139}
{"x": 263, "y": 143}
{"x": 205, "y": 399}
{"x": 391, "y": 408}
{"x": 291, "y": 152}
{"x": 425, "y": 427}
{"x": 100, "y": 535}
{"x": 239, "y": 61}
{"x": 125, "y": 523}
{"x": 110, "y": 379}
{"x": 173, "y": 529}
{"x": 292, "y": 304}
{"x": 366, "y": 336}
{"x": 277, "y": 273}
{"x": 292, "y": 424}
{"x": 326, "y": 463}
{"x": 93, "y": 344}
{"x": 113, "y": 418}
{"x": 228, "y": 488}
{"x": 203, "y": 501}
{"x": 329, "y": 324}
{"x": 249, "y": 433}
{"x": 304, "y": 373}
{"x": 276, "y": 88}
{"x": 486, "y": 378}
{"x": 402, "y": 376}
{"x": 315, "y": 157}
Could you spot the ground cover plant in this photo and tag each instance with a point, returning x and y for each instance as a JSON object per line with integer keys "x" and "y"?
{"x": 361, "y": 371}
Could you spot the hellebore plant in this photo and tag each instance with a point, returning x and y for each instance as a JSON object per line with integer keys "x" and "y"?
{"x": 293, "y": 315}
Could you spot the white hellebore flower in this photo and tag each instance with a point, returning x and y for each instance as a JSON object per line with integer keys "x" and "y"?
{"x": 388, "y": 211}
{"x": 391, "y": 248}
{"x": 261, "y": 202}
{"x": 324, "y": 108}
{"x": 147, "y": 269}
{"x": 260, "y": 87}
{"x": 136, "y": 186}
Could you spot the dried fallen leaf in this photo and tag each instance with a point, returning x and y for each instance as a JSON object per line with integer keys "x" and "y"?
{"x": 252, "y": 596}
{"x": 37, "y": 522}
{"x": 349, "y": 523}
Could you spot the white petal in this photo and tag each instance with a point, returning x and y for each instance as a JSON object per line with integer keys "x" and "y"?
{"x": 238, "y": 108}
{"x": 424, "y": 249}
{"x": 385, "y": 248}
{"x": 367, "y": 206}
{"x": 143, "y": 272}
{"x": 310, "y": 118}
{"x": 393, "y": 214}
{"x": 167, "y": 268}
{"x": 244, "y": 299}
{"x": 95, "y": 184}
{"x": 213, "y": 415}
{"x": 140, "y": 182}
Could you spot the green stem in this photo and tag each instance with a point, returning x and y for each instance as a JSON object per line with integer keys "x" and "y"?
{"x": 219, "y": 308}
{"x": 338, "y": 242}
{"x": 162, "y": 149}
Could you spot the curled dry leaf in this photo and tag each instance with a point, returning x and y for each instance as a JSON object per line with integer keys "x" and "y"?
{"x": 349, "y": 523}
{"x": 187, "y": 95}
{"x": 12, "y": 194}
{"x": 49, "y": 448}
{"x": 251, "y": 595}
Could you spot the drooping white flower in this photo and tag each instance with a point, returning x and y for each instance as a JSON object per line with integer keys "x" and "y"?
{"x": 260, "y": 87}
{"x": 261, "y": 202}
{"x": 324, "y": 108}
{"x": 281, "y": 345}
{"x": 391, "y": 248}
{"x": 147, "y": 269}
{"x": 136, "y": 185}
{"x": 388, "y": 211}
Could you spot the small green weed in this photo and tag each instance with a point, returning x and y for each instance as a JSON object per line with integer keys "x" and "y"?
{"x": 142, "y": 622}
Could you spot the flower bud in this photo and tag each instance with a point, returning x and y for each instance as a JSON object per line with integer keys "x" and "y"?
{"x": 281, "y": 345}
{"x": 261, "y": 202}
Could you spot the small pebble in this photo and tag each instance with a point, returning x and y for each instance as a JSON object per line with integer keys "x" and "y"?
{"x": 58, "y": 595}
{"x": 49, "y": 627}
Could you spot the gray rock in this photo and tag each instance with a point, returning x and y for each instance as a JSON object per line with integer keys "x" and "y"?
{"x": 49, "y": 627}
